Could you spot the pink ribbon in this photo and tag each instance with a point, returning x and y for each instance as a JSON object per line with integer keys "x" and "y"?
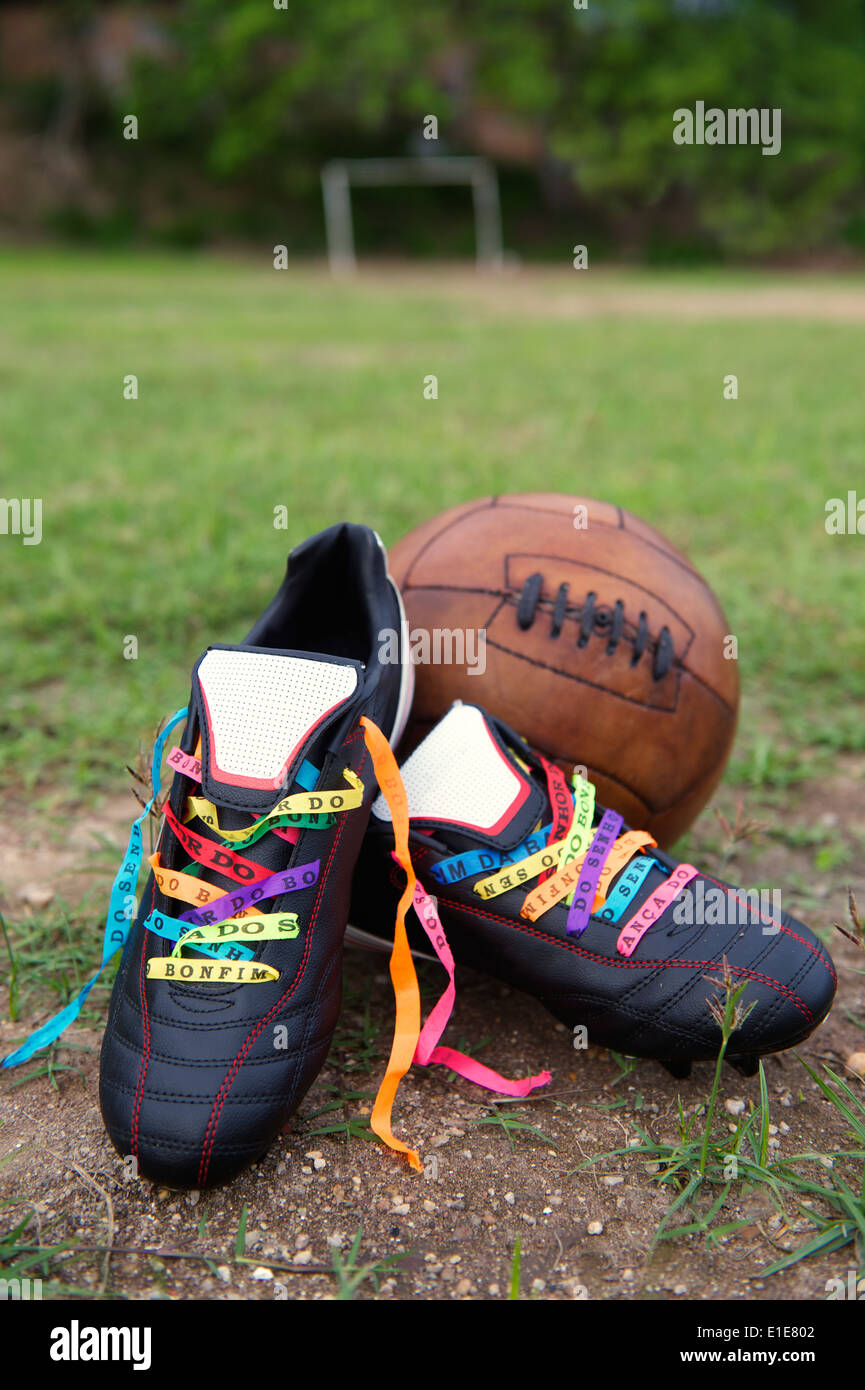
{"x": 655, "y": 905}
{"x": 427, "y": 1049}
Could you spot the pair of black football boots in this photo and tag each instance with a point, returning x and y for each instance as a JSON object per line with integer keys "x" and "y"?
{"x": 276, "y": 834}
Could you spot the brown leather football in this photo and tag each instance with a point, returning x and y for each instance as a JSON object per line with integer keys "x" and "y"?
{"x": 604, "y": 646}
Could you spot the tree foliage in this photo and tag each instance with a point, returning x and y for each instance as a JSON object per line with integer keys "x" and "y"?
{"x": 258, "y": 96}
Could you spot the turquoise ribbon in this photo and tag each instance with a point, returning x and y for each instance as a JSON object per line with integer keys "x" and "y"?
{"x": 626, "y": 888}
{"x": 480, "y": 861}
{"x": 172, "y": 928}
{"x": 121, "y": 913}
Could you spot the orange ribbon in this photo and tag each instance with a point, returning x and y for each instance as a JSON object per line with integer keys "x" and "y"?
{"x": 402, "y": 972}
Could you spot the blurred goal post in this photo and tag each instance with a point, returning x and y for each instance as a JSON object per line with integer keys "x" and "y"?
{"x": 338, "y": 176}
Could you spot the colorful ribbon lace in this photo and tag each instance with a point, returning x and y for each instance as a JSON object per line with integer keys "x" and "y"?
{"x": 589, "y": 869}
{"x": 410, "y": 1044}
{"x": 222, "y": 927}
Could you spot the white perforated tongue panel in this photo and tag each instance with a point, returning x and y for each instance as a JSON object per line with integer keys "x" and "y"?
{"x": 261, "y": 707}
{"x": 459, "y": 774}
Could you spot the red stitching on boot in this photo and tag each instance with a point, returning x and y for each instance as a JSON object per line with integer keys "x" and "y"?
{"x": 145, "y": 1056}
{"x": 627, "y": 964}
{"x": 815, "y": 950}
{"x": 221, "y": 1096}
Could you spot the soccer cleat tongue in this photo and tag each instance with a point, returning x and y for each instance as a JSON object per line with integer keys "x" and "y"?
{"x": 259, "y": 712}
{"x": 465, "y": 777}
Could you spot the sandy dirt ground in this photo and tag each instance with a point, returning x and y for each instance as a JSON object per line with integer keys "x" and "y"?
{"x": 585, "y": 1232}
{"x": 552, "y": 292}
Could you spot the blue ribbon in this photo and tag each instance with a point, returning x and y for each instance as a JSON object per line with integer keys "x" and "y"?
{"x": 485, "y": 861}
{"x": 121, "y": 913}
{"x": 172, "y": 928}
{"x": 626, "y": 888}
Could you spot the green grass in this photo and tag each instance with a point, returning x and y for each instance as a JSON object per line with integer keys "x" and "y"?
{"x": 339, "y": 1122}
{"x": 514, "y": 1127}
{"x": 515, "y": 1271}
{"x": 705, "y": 1164}
{"x": 51, "y": 956}
{"x": 260, "y": 389}
{"x": 349, "y": 1274}
{"x": 28, "y": 1250}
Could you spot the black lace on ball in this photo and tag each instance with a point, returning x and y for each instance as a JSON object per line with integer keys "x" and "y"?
{"x": 596, "y": 620}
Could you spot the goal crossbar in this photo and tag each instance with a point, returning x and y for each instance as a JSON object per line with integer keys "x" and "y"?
{"x": 338, "y": 176}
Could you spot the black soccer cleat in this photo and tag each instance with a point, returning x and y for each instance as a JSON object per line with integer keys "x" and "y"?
{"x": 636, "y": 955}
{"x": 229, "y": 986}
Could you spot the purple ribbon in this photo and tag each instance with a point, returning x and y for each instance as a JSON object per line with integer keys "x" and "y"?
{"x": 286, "y": 881}
{"x": 590, "y": 872}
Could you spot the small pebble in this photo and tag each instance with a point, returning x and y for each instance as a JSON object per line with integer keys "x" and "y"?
{"x": 595, "y": 1228}
{"x": 856, "y": 1063}
{"x": 37, "y": 897}
{"x": 262, "y": 1272}
{"x": 510, "y": 1198}
{"x": 734, "y": 1106}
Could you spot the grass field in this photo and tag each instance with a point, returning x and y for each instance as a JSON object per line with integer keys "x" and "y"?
{"x": 260, "y": 389}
